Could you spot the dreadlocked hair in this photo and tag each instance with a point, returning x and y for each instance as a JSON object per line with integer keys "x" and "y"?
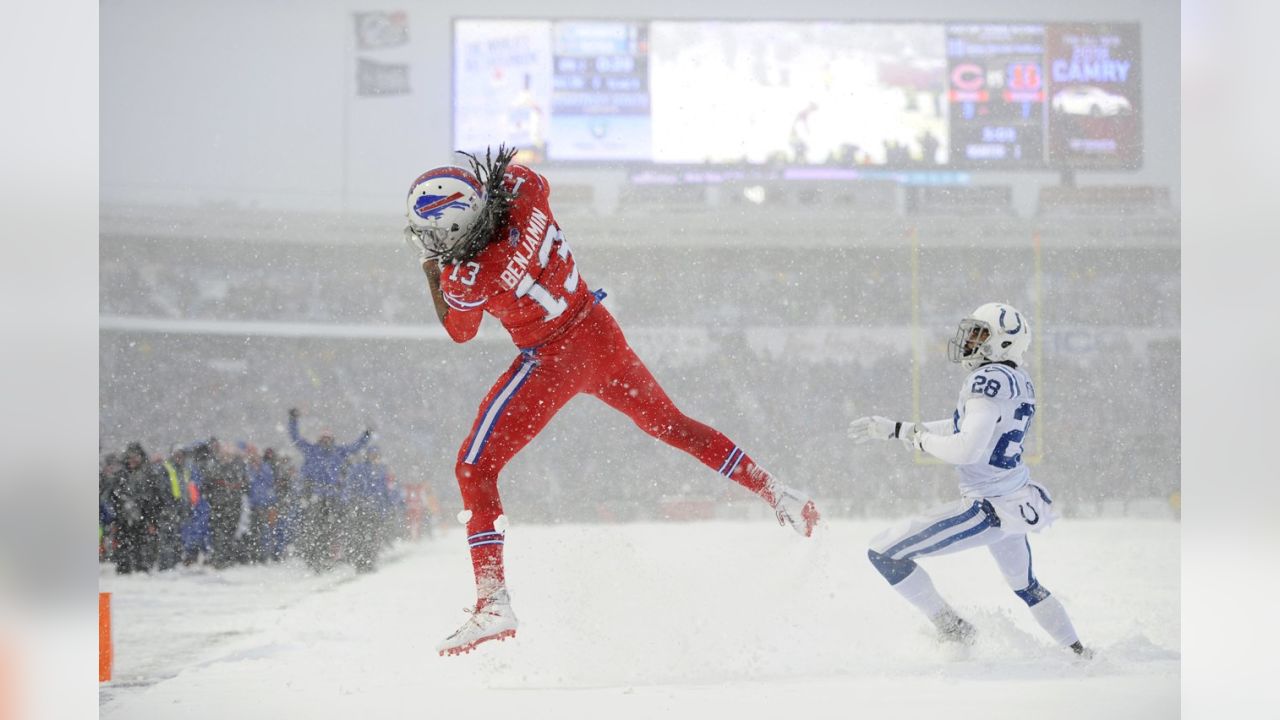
{"x": 497, "y": 205}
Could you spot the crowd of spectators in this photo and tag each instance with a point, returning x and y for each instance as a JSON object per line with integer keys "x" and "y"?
{"x": 219, "y": 504}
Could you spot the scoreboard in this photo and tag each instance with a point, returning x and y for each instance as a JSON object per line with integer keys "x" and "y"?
{"x": 600, "y": 91}
{"x": 831, "y": 94}
{"x": 996, "y": 97}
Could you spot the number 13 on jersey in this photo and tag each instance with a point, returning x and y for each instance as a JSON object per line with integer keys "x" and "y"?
{"x": 548, "y": 297}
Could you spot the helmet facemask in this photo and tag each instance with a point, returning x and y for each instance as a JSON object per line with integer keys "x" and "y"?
{"x": 969, "y": 346}
{"x": 433, "y": 241}
{"x": 993, "y": 333}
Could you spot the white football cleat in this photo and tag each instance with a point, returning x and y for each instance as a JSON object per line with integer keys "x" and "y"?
{"x": 491, "y": 619}
{"x": 1079, "y": 649}
{"x": 792, "y": 507}
{"x": 954, "y": 629}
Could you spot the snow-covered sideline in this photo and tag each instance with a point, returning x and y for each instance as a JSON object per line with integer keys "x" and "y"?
{"x": 708, "y": 619}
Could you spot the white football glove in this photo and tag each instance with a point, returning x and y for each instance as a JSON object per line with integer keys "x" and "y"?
{"x": 872, "y": 428}
{"x": 912, "y": 436}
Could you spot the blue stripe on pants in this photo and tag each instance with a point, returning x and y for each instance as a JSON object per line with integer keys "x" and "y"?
{"x": 494, "y": 411}
{"x": 934, "y": 529}
{"x": 986, "y": 523}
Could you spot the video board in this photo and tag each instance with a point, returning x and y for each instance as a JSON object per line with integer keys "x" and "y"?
{"x": 919, "y": 95}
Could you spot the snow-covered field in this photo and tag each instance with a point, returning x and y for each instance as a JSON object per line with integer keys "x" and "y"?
{"x": 711, "y": 619}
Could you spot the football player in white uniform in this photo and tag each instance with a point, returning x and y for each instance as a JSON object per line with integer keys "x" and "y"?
{"x": 1000, "y": 504}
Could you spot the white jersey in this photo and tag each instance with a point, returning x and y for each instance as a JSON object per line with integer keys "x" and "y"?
{"x": 1000, "y": 471}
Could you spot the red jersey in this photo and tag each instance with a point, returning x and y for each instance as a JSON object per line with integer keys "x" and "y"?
{"x": 525, "y": 277}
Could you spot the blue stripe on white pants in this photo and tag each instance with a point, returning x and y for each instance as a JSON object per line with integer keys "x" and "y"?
{"x": 925, "y": 528}
{"x": 951, "y": 528}
{"x": 950, "y": 540}
{"x": 494, "y": 411}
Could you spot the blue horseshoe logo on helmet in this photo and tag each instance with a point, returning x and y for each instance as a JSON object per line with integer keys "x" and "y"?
{"x": 1014, "y": 331}
{"x": 1022, "y": 510}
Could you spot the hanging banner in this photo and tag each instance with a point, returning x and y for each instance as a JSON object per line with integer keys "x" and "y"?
{"x": 375, "y": 79}
{"x": 375, "y": 30}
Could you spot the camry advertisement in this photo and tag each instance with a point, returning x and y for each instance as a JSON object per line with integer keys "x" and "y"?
{"x": 1094, "y": 96}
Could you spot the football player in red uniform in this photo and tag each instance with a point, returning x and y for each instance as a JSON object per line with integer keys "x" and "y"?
{"x": 490, "y": 243}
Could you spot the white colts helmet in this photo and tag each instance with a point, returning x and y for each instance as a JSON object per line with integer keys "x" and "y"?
{"x": 443, "y": 204}
{"x": 994, "y": 332}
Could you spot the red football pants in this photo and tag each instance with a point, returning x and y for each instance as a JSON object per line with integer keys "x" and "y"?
{"x": 593, "y": 358}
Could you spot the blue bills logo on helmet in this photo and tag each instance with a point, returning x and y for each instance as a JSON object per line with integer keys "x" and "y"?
{"x": 433, "y": 206}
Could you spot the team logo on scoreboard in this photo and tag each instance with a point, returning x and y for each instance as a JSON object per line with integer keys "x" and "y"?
{"x": 968, "y": 84}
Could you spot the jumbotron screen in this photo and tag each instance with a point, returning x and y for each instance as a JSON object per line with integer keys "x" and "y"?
{"x": 836, "y": 94}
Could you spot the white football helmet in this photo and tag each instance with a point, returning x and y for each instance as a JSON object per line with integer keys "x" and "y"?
{"x": 994, "y": 332}
{"x": 443, "y": 205}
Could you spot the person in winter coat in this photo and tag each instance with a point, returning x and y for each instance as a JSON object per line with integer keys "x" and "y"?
{"x": 287, "y": 513}
{"x": 175, "y": 509}
{"x": 262, "y": 505}
{"x": 136, "y": 503}
{"x": 322, "y": 461}
{"x": 273, "y": 540}
{"x": 224, "y": 486}
{"x": 195, "y": 531}
{"x": 109, "y": 478}
{"x": 366, "y": 506}
{"x": 322, "y": 464}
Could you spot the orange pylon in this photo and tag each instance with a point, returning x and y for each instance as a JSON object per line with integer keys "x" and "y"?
{"x": 104, "y": 637}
